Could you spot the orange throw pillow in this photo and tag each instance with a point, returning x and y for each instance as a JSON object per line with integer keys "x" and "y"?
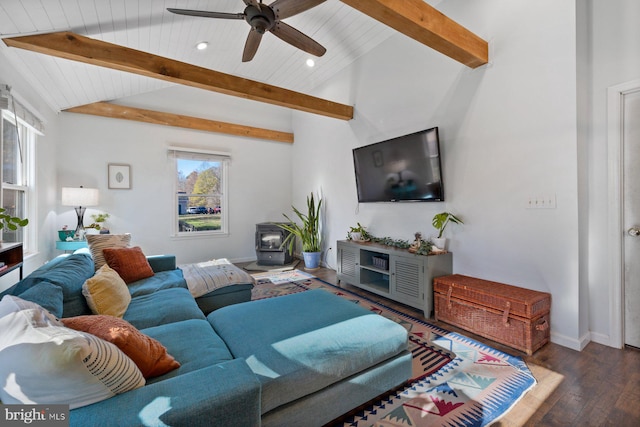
{"x": 130, "y": 263}
{"x": 149, "y": 355}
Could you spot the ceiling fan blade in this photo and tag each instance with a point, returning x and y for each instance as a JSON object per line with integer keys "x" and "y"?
{"x": 251, "y": 45}
{"x": 295, "y": 38}
{"x": 286, "y": 8}
{"x": 205, "y": 14}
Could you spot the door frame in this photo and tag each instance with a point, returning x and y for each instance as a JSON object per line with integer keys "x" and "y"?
{"x": 615, "y": 143}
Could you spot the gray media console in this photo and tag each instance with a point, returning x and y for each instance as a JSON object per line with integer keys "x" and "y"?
{"x": 393, "y": 273}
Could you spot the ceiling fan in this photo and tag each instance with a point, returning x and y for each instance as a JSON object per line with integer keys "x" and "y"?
{"x": 263, "y": 18}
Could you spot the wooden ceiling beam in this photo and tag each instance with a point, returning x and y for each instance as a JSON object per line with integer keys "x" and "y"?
{"x": 105, "y": 109}
{"x": 75, "y": 47}
{"x": 424, "y": 23}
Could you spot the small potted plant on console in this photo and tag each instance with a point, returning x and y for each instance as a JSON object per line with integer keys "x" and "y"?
{"x": 358, "y": 234}
{"x": 440, "y": 221}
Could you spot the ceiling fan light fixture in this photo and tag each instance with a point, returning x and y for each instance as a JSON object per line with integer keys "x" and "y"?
{"x": 265, "y": 18}
{"x": 202, "y": 45}
{"x": 310, "y": 62}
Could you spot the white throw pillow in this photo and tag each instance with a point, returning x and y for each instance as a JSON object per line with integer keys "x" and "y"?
{"x": 43, "y": 362}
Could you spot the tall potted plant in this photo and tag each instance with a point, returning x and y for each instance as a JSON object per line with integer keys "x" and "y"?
{"x": 308, "y": 232}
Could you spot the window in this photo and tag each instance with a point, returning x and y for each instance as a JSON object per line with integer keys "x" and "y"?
{"x": 200, "y": 192}
{"x": 18, "y": 142}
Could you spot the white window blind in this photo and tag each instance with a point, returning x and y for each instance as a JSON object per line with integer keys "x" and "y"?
{"x": 15, "y": 106}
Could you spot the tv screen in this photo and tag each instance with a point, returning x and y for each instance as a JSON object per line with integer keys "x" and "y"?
{"x": 406, "y": 168}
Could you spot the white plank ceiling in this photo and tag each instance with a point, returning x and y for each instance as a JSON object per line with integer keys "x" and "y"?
{"x": 146, "y": 25}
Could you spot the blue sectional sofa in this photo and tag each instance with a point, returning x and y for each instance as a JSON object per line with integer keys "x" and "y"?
{"x": 301, "y": 359}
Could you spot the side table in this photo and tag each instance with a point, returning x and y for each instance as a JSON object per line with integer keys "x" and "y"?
{"x": 10, "y": 257}
{"x": 70, "y": 246}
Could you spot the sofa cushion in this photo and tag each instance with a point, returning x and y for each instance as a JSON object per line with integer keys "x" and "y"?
{"x": 98, "y": 242}
{"x": 162, "y": 262}
{"x": 301, "y": 343}
{"x": 165, "y": 306}
{"x": 224, "y": 296}
{"x": 159, "y": 281}
{"x": 41, "y": 361}
{"x": 47, "y": 295}
{"x": 130, "y": 263}
{"x": 193, "y": 342}
{"x": 149, "y": 355}
{"x": 106, "y": 292}
{"x": 68, "y": 272}
{"x": 223, "y": 395}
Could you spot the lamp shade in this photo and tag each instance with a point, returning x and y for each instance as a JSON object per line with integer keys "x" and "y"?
{"x": 79, "y": 196}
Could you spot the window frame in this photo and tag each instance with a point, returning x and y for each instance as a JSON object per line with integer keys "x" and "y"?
{"x": 28, "y": 136}
{"x": 176, "y": 153}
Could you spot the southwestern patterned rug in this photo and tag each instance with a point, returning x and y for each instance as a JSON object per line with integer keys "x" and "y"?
{"x": 456, "y": 381}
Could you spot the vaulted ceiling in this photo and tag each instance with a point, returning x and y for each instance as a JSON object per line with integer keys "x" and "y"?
{"x": 347, "y": 28}
{"x": 147, "y": 26}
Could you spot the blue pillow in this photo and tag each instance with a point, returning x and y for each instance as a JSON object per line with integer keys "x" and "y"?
{"x": 46, "y": 295}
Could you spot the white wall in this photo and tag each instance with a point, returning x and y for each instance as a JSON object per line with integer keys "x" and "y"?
{"x": 508, "y": 131}
{"x": 259, "y": 175}
{"x": 614, "y": 43}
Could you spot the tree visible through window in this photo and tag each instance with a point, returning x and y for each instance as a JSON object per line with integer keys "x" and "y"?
{"x": 200, "y": 192}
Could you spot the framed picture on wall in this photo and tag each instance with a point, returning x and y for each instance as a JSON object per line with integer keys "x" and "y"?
{"x": 119, "y": 176}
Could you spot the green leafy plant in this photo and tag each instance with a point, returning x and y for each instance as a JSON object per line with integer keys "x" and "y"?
{"x": 11, "y": 222}
{"x": 441, "y": 220}
{"x": 424, "y": 249}
{"x": 100, "y": 217}
{"x": 97, "y": 220}
{"x": 364, "y": 234}
{"x": 309, "y": 231}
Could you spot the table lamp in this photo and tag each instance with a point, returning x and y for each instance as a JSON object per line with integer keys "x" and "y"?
{"x": 79, "y": 198}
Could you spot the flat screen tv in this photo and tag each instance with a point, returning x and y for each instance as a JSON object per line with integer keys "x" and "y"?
{"x": 401, "y": 169}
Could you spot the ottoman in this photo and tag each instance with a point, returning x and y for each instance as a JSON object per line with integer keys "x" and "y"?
{"x": 316, "y": 355}
{"x": 217, "y": 283}
{"x": 227, "y": 295}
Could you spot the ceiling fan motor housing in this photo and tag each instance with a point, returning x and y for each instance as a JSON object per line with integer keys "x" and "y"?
{"x": 262, "y": 20}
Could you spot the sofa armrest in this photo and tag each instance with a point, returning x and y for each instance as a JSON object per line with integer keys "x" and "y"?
{"x": 224, "y": 394}
{"x": 160, "y": 263}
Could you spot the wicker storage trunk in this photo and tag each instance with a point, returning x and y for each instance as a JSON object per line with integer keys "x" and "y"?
{"x": 510, "y": 315}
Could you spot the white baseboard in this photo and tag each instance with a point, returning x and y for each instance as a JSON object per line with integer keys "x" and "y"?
{"x": 602, "y": 339}
{"x": 565, "y": 341}
{"x": 234, "y": 260}
{"x": 581, "y": 343}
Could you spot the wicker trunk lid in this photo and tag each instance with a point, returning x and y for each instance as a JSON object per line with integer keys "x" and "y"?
{"x": 521, "y": 302}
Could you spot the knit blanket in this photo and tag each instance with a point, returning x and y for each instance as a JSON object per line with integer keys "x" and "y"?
{"x": 207, "y": 276}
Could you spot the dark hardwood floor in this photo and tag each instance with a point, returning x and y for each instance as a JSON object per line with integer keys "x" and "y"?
{"x": 599, "y": 386}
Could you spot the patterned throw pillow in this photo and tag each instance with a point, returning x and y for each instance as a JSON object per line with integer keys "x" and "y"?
{"x": 147, "y": 353}
{"x": 43, "y": 362}
{"x": 99, "y": 242}
{"x": 130, "y": 263}
{"x": 107, "y": 293}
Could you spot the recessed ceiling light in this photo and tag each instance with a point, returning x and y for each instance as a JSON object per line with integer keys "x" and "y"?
{"x": 202, "y": 45}
{"x": 310, "y": 62}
